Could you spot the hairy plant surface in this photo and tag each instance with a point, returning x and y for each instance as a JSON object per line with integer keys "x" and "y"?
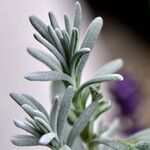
{"x": 66, "y": 60}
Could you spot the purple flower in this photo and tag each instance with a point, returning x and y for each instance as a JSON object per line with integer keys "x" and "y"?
{"x": 127, "y": 94}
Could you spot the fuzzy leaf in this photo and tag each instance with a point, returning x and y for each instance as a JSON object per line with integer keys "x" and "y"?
{"x": 25, "y": 140}
{"x": 100, "y": 79}
{"x": 143, "y": 145}
{"x": 64, "y": 110}
{"x": 48, "y": 76}
{"x": 56, "y": 40}
{"x": 45, "y": 58}
{"x": 42, "y": 125}
{"x": 78, "y": 54}
{"x": 54, "y": 114}
{"x": 21, "y": 100}
{"x": 26, "y": 127}
{"x": 78, "y": 16}
{"x": 90, "y": 38}
{"x": 66, "y": 42}
{"x": 81, "y": 122}
{"x": 67, "y": 24}
{"x": 41, "y": 27}
{"x": 37, "y": 104}
{"x": 47, "y": 138}
{"x": 74, "y": 40}
{"x": 52, "y": 49}
{"x": 145, "y": 134}
{"x": 111, "y": 67}
{"x": 34, "y": 113}
{"x": 31, "y": 121}
{"x": 65, "y": 147}
{"x": 53, "y": 20}
{"x": 116, "y": 144}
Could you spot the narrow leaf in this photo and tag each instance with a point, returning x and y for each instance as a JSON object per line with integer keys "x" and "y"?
{"x": 56, "y": 40}
{"x": 78, "y": 16}
{"x": 41, "y": 27}
{"x": 111, "y": 67}
{"x": 78, "y": 54}
{"x": 25, "y": 140}
{"x": 47, "y": 138}
{"x": 31, "y": 121}
{"x": 64, "y": 110}
{"x": 34, "y": 113}
{"x": 52, "y": 49}
{"x": 92, "y": 33}
{"x": 45, "y": 58}
{"x": 66, "y": 43}
{"x": 100, "y": 79}
{"x": 53, "y": 20}
{"x": 90, "y": 38}
{"x": 21, "y": 100}
{"x": 144, "y": 134}
{"x": 67, "y": 24}
{"x": 37, "y": 104}
{"x": 54, "y": 114}
{"x": 74, "y": 40}
{"x": 48, "y": 76}
{"x": 26, "y": 127}
{"x": 81, "y": 122}
{"x": 65, "y": 147}
{"x": 115, "y": 144}
{"x": 44, "y": 126}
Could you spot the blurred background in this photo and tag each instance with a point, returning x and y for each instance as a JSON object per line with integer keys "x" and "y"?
{"x": 125, "y": 34}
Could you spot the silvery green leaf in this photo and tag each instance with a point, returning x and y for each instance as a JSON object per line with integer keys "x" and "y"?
{"x": 40, "y": 26}
{"x": 54, "y": 113}
{"x": 64, "y": 110}
{"x": 81, "y": 122}
{"x": 31, "y": 121}
{"x": 34, "y": 113}
{"x": 103, "y": 107}
{"x": 66, "y": 42}
{"x": 90, "y": 38}
{"x": 37, "y": 104}
{"x": 59, "y": 34}
{"x": 111, "y": 67}
{"x": 25, "y": 126}
{"x": 53, "y": 20}
{"x": 45, "y": 58}
{"x": 101, "y": 131}
{"x": 48, "y": 76}
{"x": 76, "y": 58}
{"x": 65, "y": 147}
{"x": 78, "y": 16}
{"x": 25, "y": 140}
{"x": 44, "y": 126}
{"x": 144, "y": 134}
{"x": 52, "y": 49}
{"x": 143, "y": 145}
{"x": 56, "y": 40}
{"x": 74, "y": 40}
{"x": 47, "y": 138}
{"x": 67, "y": 24}
{"x": 78, "y": 54}
{"x": 92, "y": 33}
{"x": 21, "y": 100}
{"x": 115, "y": 144}
{"x": 100, "y": 79}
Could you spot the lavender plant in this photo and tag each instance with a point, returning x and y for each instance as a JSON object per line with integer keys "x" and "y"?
{"x": 66, "y": 59}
